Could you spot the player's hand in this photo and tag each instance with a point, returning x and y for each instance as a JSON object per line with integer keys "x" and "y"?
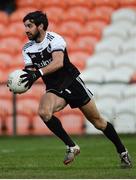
{"x": 30, "y": 77}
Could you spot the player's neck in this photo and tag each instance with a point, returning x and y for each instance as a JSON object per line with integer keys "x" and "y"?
{"x": 41, "y": 37}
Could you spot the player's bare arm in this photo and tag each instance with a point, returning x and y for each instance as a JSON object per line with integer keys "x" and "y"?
{"x": 56, "y": 64}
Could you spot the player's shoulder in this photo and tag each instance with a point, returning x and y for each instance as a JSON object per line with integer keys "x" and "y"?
{"x": 53, "y": 35}
{"x": 28, "y": 45}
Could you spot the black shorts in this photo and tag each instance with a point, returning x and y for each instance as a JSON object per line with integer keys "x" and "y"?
{"x": 76, "y": 94}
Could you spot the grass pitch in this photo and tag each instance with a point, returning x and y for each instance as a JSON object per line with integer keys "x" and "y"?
{"x": 42, "y": 157}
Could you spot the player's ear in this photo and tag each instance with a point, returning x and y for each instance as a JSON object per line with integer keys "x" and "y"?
{"x": 41, "y": 26}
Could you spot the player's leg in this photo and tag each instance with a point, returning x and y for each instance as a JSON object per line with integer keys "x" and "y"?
{"x": 49, "y": 104}
{"x": 91, "y": 113}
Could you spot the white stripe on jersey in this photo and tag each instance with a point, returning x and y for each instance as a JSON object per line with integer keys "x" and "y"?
{"x": 85, "y": 88}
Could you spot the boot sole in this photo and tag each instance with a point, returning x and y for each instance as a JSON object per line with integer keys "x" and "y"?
{"x": 66, "y": 162}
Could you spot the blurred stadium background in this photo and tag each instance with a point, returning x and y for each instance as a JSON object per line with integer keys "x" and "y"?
{"x": 101, "y": 39}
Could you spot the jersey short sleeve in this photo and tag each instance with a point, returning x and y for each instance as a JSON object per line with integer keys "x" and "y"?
{"x": 58, "y": 43}
{"x": 27, "y": 59}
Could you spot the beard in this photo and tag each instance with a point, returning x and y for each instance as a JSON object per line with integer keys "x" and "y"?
{"x": 33, "y": 37}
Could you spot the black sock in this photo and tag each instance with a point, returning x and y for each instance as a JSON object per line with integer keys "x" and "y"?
{"x": 111, "y": 134}
{"x": 55, "y": 126}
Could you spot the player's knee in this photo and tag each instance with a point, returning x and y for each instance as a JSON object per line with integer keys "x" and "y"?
{"x": 45, "y": 114}
{"x": 100, "y": 124}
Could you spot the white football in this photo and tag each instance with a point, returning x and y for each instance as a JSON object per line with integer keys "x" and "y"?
{"x": 15, "y": 82}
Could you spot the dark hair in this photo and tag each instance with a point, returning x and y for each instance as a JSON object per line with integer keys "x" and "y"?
{"x": 37, "y": 17}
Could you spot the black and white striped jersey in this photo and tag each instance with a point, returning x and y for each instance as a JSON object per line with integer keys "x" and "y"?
{"x": 39, "y": 55}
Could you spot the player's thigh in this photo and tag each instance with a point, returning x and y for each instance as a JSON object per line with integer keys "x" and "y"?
{"x": 50, "y": 102}
{"x": 92, "y": 114}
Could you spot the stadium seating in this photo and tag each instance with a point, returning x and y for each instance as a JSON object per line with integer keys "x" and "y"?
{"x": 132, "y": 32}
{"x": 54, "y": 14}
{"x": 5, "y": 94}
{"x": 24, "y": 124}
{"x": 17, "y": 63}
{"x": 71, "y": 26}
{"x": 115, "y": 31}
{"x": 53, "y": 3}
{"x": 120, "y": 74}
{"x": 106, "y": 107}
{"x": 17, "y": 16}
{"x": 126, "y": 60}
{"x": 80, "y": 3}
{"x": 4, "y": 19}
{"x": 92, "y": 31}
{"x": 72, "y": 14}
{"x": 125, "y": 123}
{"x": 33, "y": 93}
{"x": 130, "y": 91}
{"x": 53, "y": 27}
{"x": 85, "y": 44}
{"x": 105, "y": 9}
{"x": 130, "y": 46}
{"x": 95, "y": 24}
{"x": 111, "y": 91}
{"x": 133, "y": 78}
{"x": 39, "y": 128}
{"x": 27, "y": 4}
{"x": 5, "y": 58}
{"x": 2, "y": 30}
{"x": 111, "y": 3}
{"x": 99, "y": 15}
{"x": 112, "y": 44}
{"x": 124, "y": 105}
{"x": 4, "y": 103}
{"x": 96, "y": 75}
{"x": 79, "y": 59}
{"x": 105, "y": 61}
{"x": 94, "y": 88}
{"x": 64, "y": 30}
{"x": 128, "y": 4}
{"x": 6, "y": 108}
{"x": 72, "y": 120}
{"x": 14, "y": 43}
{"x": 6, "y": 125}
{"x": 27, "y": 106}
{"x": 13, "y": 29}
{"x": 124, "y": 14}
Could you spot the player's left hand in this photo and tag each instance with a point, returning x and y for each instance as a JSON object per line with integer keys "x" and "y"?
{"x": 30, "y": 77}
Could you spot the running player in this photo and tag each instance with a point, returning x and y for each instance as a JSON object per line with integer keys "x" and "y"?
{"x": 46, "y": 56}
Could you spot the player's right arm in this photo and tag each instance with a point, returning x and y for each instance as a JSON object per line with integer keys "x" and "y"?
{"x": 31, "y": 75}
{"x": 58, "y": 46}
{"x": 27, "y": 61}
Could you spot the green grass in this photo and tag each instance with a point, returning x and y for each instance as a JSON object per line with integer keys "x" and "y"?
{"x": 41, "y": 158}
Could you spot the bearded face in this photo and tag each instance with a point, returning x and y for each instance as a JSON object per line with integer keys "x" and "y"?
{"x": 31, "y": 30}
